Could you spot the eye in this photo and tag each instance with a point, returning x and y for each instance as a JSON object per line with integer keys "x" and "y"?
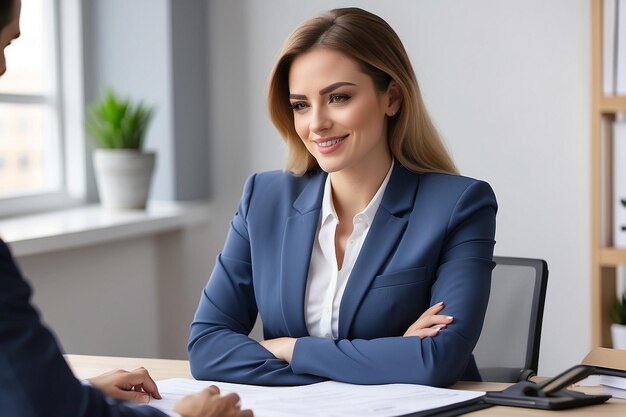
{"x": 338, "y": 98}
{"x": 298, "y": 106}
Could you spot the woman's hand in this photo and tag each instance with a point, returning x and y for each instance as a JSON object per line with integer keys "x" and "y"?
{"x": 209, "y": 403}
{"x": 136, "y": 386}
{"x": 281, "y": 347}
{"x": 430, "y": 323}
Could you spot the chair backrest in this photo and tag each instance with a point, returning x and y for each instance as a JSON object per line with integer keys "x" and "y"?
{"x": 508, "y": 348}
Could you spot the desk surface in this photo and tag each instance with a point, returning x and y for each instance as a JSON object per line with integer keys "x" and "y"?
{"x": 88, "y": 366}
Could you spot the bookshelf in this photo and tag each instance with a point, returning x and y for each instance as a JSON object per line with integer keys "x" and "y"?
{"x": 605, "y": 259}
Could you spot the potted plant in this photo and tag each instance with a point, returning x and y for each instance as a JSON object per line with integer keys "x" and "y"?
{"x": 618, "y": 328}
{"x": 123, "y": 170}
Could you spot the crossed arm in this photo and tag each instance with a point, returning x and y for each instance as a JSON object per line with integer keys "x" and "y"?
{"x": 428, "y": 325}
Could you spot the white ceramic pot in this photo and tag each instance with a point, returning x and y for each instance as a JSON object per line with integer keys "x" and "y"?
{"x": 618, "y": 334}
{"x": 123, "y": 177}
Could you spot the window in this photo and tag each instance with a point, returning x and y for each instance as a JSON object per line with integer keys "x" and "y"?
{"x": 31, "y": 149}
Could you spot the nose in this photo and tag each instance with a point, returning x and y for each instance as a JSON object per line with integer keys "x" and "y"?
{"x": 319, "y": 119}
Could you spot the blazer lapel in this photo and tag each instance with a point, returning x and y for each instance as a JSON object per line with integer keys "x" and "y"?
{"x": 298, "y": 241}
{"x": 386, "y": 230}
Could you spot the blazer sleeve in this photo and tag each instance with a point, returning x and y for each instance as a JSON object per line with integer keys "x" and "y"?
{"x": 34, "y": 377}
{"x": 463, "y": 282}
{"x": 219, "y": 346}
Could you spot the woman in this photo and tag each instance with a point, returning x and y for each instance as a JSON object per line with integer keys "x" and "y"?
{"x": 369, "y": 259}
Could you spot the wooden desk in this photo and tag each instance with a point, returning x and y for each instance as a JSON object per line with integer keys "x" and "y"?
{"x": 88, "y": 366}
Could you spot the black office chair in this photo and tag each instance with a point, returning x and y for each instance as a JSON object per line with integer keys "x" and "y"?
{"x": 508, "y": 348}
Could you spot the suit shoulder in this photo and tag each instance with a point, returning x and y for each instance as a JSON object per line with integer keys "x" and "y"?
{"x": 277, "y": 188}
{"x": 454, "y": 190}
{"x": 448, "y": 179}
{"x": 278, "y": 180}
{"x": 453, "y": 183}
{"x": 277, "y": 176}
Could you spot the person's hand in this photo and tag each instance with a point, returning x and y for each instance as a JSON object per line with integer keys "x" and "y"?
{"x": 208, "y": 403}
{"x": 136, "y": 386}
{"x": 430, "y": 323}
{"x": 281, "y": 347}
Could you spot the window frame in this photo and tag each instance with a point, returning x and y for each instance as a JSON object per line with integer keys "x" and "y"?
{"x": 68, "y": 101}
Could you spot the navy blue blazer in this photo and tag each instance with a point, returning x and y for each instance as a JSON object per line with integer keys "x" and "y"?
{"x": 431, "y": 240}
{"x": 35, "y": 380}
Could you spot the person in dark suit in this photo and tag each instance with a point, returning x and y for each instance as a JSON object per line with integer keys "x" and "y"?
{"x": 35, "y": 379}
{"x": 369, "y": 258}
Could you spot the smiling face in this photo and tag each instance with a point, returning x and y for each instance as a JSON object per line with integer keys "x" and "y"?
{"x": 338, "y": 113}
{"x": 9, "y": 32}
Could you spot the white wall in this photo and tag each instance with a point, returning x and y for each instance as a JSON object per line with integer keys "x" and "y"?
{"x": 154, "y": 51}
{"x": 507, "y": 84}
{"x": 132, "y": 298}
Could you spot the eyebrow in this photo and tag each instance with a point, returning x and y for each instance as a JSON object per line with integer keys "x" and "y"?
{"x": 323, "y": 91}
{"x": 333, "y": 87}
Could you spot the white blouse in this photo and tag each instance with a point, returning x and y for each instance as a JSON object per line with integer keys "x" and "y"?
{"x": 326, "y": 284}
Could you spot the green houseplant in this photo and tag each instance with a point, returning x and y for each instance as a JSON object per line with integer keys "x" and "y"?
{"x": 618, "y": 316}
{"x": 123, "y": 170}
{"x": 117, "y": 123}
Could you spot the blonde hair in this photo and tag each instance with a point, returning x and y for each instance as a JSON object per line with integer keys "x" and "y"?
{"x": 373, "y": 44}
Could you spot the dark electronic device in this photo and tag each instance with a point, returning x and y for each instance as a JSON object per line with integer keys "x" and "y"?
{"x": 550, "y": 394}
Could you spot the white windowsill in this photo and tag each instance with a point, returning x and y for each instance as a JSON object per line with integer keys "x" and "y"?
{"x": 88, "y": 225}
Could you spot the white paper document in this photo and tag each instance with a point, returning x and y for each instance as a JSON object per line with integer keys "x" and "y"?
{"x": 324, "y": 399}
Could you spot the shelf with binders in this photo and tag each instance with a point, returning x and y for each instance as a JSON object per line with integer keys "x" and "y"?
{"x": 608, "y": 254}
